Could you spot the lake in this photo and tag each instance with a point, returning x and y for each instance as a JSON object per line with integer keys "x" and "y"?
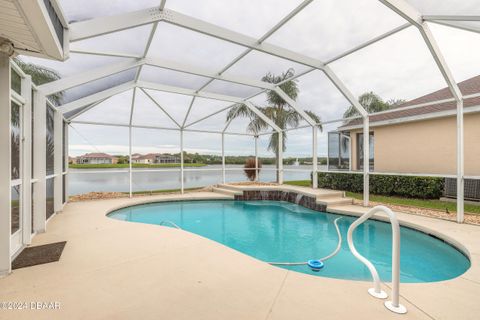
{"x": 89, "y": 180}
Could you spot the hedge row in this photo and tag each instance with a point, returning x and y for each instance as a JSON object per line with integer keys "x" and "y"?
{"x": 402, "y": 186}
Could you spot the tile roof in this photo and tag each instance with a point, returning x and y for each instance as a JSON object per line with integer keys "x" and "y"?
{"x": 467, "y": 87}
{"x": 96, "y": 155}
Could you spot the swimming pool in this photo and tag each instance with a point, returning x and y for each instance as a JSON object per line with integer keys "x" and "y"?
{"x": 277, "y": 231}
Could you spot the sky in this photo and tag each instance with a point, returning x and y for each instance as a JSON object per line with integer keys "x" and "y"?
{"x": 399, "y": 67}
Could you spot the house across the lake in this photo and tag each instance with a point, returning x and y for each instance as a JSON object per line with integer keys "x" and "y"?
{"x": 166, "y": 158}
{"x": 144, "y": 158}
{"x": 152, "y": 158}
{"x": 96, "y": 158}
{"x": 414, "y": 140}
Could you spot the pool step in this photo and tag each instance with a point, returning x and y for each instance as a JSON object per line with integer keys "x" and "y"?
{"x": 326, "y": 194}
{"x": 333, "y": 201}
{"x": 229, "y": 187}
{"x": 227, "y": 192}
{"x": 323, "y": 196}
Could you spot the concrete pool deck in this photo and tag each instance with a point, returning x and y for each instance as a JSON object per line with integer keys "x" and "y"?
{"x": 112, "y": 269}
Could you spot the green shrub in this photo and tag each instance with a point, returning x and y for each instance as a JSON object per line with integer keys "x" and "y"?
{"x": 402, "y": 186}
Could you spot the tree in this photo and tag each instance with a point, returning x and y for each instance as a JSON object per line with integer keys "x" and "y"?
{"x": 277, "y": 110}
{"x": 371, "y": 102}
{"x": 41, "y": 75}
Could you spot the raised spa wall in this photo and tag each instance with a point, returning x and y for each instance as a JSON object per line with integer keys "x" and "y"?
{"x": 293, "y": 197}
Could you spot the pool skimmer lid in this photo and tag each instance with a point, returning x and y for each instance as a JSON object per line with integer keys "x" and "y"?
{"x": 315, "y": 265}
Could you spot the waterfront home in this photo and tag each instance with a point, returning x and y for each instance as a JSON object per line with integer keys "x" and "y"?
{"x": 96, "y": 158}
{"x": 166, "y": 158}
{"x": 144, "y": 159}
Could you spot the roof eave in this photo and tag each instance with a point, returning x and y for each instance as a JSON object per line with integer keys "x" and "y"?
{"x": 427, "y": 116}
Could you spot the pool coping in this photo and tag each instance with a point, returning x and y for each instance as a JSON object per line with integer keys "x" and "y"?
{"x": 255, "y": 291}
{"x": 411, "y": 225}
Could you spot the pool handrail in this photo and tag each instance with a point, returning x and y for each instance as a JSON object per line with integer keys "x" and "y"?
{"x": 393, "y": 305}
{"x": 170, "y": 223}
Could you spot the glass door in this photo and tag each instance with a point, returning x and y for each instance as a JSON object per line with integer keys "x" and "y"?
{"x": 16, "y": 177}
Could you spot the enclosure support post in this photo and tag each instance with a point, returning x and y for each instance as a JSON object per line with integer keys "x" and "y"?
{"x": 460, "y": 163}
{"x": 27, "y": 160}
{"x": 256, "y": 158}
{"x": 58, "y": 160}
{"x": 66, "y": 141}
{"x": 5, "y": 190}
{"x": 39, "y": 161}
{"x": 280, "y": 158}
{"x": 366, "y": 160}
{"x": 314, "y": 157}
{"x": 223, "y": 158}
{"x": 181, "y": 162}
{"x": 130, "y": 160}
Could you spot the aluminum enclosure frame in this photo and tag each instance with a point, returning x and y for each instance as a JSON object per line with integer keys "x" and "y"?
{"x": 105, "y": 25}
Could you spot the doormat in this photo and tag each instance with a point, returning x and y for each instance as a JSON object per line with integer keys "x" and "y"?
{"x": 33, "y": 256}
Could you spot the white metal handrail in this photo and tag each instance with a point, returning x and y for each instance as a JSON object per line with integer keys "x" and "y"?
{"x": 393, "y": 305}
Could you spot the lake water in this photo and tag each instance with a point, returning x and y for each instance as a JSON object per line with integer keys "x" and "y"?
{"x": 88, "y": 180}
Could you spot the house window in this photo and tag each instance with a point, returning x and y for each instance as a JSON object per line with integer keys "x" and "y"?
{"x": 360, "y": 151}
{"x": 338, "y": 151}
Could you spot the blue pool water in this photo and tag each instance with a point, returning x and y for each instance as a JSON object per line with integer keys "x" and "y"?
{"x": 282, "y": 231}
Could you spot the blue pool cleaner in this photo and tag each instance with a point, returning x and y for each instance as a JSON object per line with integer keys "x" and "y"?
{"x": 318, "y": 264}
{"x": 315, "y": 265}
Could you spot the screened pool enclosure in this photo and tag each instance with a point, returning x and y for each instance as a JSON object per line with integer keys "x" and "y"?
{"x": 161, "y": 76}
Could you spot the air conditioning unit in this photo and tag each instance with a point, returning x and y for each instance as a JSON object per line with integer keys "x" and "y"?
{"x": 472, "y": 189}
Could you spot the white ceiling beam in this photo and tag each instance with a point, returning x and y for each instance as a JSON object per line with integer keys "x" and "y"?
{"x": 188, "y": 111}
{"x": 165, "y": 64}
{"x": 405, "y": 10}
{"x": 156, "y": 127}
{"x": 104, "y": 25}
{"x": 345, "y": 92}
{"x": 74, "y": 105}
{"x": 87, "y": 76}
{"x": 369, "y": 42}
{"x": 457, "y": 25}
{"x": 209, "y": 29}
{"x": 440, "y": 61}
{"x": 187, "y": 92}
{"x": 160, "y": 107}
{"x": 281, "y": 23}
{"x": 86, "y": 109}
{"x": 451, "y": 18}
{"x": 162, "y": 4}
{"x": 262, "y": 116}
{"x": 292, "y": 103}
{"x": 105, "y": 54}
{"x": 208, "y": 116}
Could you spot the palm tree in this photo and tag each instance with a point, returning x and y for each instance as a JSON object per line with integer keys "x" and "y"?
{"x": 277, "y": 110}
{"x": 370, "y": 101}
{"x": 41, "y": 75}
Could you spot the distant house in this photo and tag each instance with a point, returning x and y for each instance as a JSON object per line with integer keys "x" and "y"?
{"x": 96, "y": 158}
{"x": 166, "y": 158}
{"x": 145, "y": 159}
{"x": 414, "y": 140}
